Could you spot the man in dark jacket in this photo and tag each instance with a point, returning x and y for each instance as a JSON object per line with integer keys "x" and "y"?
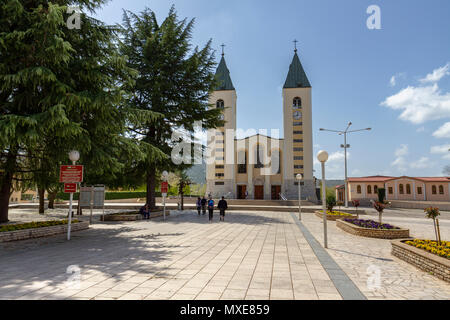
{"x": 222, "y": 205}
{"x": 203, "y": 202}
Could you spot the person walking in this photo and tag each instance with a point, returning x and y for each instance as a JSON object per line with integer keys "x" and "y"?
{"x": 210, "y": 208}
{"x": 222, "y": 205}
{"x": 203, "y": 203}
{"x": 199, "y": 205}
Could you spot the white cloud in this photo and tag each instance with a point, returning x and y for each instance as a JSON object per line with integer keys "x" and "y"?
{"x": 402, "y": 151}
{"x": 420, "y": 104}
{"x": 393, "y": 81}
{"x": 400, "y": 161}
{"x": 437, "y": 74}
{"x": 422, "y": 163}
{"x": 421, "y": 129}
{"x": 395, "y": 77}
{"x": 443, "y": 131}
{"x": 334, "y": 167}
{"x": 443, "y": 149}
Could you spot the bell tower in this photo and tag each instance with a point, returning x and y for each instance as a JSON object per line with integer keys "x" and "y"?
{"x": 298, "y": 141}
{"x": 220, "y": 174}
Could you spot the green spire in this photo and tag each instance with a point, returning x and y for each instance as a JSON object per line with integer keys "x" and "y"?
{"x": 223, "y": 76}
{"x": 296, "y": 77}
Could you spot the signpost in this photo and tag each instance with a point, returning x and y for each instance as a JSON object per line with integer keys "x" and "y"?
{"x": 70, "y": 176}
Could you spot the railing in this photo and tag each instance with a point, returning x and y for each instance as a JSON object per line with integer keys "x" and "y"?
{"x": 283, "y": 197}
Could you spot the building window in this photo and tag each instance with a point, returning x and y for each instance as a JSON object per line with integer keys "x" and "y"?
{"x": 220, "y": 104}
{"x": 298, "y": 149}
{"x": 298, "y": 167}
{"x": 298, "y": 124}
{"x": 419, "y": 190}
{"x": 297, "y": 103}
{"x": 298, "y": 158}
{"x": 220, "y": 183}
{"x": 375, "y": 189}
{"x": 298, "y": 132}
{"x": 441, "y": 189}
{"x": 220, "y": 167}
{"x": 358, "y": 189}
{"x": 391, "y": 190}
{"x": 369, "y": 189}
{"x": 298, "y": 140}
{"x": 408, "y": 189}
{"x": 220, "y": 150}
{"x": 242, "y": 162}
{"x": 400, "y": 187}
{"x": 219, "y": 175}
{"x": 433, "y": 190}
{"x": 220, "y": 133}
{"x": 220, "y": 158}
{"x": 220, "y": 142}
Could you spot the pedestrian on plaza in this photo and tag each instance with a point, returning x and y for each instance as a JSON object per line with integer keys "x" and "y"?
{"x": 145, "y": 211}
{"x": 199, "y": 205}
{"x": 246, "y": 194}
{"x": 204, "y": 205}
{"x": 210, "y": 208}
{"x": 222, "y": 205}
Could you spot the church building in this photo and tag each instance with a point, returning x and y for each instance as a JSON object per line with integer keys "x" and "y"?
{"x": 260, "y": 166}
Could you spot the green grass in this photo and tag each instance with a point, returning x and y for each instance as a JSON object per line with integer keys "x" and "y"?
{"x": 33, "y": 225}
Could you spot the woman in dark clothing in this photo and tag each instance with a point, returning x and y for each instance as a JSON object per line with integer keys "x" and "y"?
{"x": 199, "y": 205}
{"x": 145, "y": 211}
{"x": 210, "y": 208}
{"x": 223, "y": 205}
{"x": 204, "y": 205}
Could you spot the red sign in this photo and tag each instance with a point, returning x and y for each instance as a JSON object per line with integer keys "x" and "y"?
{"x": 164, "y": 187}
{"x": 71, "y": 174}
{"x": 70, "y": 187}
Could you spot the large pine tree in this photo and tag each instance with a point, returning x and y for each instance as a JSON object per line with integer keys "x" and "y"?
{"x": 174, "y": 80}
{"x": 60, "y": 89}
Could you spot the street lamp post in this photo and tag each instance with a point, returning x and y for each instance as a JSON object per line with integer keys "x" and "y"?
{"x": 322, "y": 156}
{"x": 299, "y": 178}
{"x": 164, "y": 178}
{"x": 346, "y": 146}
{"x": 74, "y": 156}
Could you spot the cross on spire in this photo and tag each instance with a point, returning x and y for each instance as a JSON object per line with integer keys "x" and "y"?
{"x": 223, "y": 49}
{"x": 295, "y": 45}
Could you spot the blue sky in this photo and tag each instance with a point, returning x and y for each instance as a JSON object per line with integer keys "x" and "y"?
{"x": 395, "y": 80}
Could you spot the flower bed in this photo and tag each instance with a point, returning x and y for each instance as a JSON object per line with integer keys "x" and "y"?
{"x": 385, "y": 232}
{"x": 422, "y": 259}
{"x": 335, "y": 215}
{"x": 442, "y": 249}
{"x": 370, "y": 224}
{"x": 23, "y": 231}
{"x": 130, "y": 216}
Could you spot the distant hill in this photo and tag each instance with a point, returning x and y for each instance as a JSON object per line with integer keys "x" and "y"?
{"x": 334, "y": 183}
{"x": 197, "y": 173}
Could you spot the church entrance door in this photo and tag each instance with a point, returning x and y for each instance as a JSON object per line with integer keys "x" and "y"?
{"x": 259, "y": 192}
{"x": 241, "y": 191}
{"x": 276, "y": 190}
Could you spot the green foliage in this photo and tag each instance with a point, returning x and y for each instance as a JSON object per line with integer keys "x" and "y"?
{"x": 33, "y": 225}
{"x": 432, "y": 212}
{"x": 381, "y": 194}
{"x": 111, "y": 195}
{"x": 331, "y": 202}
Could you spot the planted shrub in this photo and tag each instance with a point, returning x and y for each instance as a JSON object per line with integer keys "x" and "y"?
{"x": 381, "y": 195}
{"x": 379, "y": 206}
{"x": 433, "y": 213}
{"x": 356, "y": 204}
{"x": 33, "y": 225}
{"x": 331, "y": 202}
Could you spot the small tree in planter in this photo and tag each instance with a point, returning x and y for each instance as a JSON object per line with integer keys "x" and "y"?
{"x": 339, "y": 204}
{"x": 356, "y": 204}
{"x": 331, "y": 202}
{"x": 433, "y": 213}
{"x": 379, "y": 206}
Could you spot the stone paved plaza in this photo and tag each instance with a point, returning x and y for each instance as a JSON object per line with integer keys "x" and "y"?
{"x": 253, "y": 255}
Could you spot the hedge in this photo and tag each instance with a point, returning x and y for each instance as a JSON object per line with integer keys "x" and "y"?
{"x": 33, "y": 225}
{"x": 112, "y": 195}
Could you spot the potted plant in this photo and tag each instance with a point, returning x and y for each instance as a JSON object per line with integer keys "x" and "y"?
{"x": 433, "y": 213}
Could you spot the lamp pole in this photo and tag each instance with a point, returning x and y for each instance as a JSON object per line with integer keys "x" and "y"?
{"x": 74, "y": 156}
{"x": 346, "y": 146}
{"x": 322, "y": 156}
{"x": 164, "y": 178}
{"x": 299, "y": 178}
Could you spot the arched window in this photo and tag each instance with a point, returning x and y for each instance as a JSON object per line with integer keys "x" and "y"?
{"x": 441, "y": 189}
{"x": 369, "y": 189}
{"x": 433, "y": 190}
{"x": 375, "y": 189}
{"x": 242, "y": 162}
{"x": 297, "y": 103}
{"x": 259, "y": 157}
{"x": 220, "y": 104}
{"x": 408, "y": 189}
{"x": 400, "y": 187}
{"x": 358, "y": 189}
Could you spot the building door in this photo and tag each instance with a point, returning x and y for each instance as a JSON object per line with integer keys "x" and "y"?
{"x": 276, "y": 190}
{"x": 259, "y": 192}
{"x": 241, "y": 191}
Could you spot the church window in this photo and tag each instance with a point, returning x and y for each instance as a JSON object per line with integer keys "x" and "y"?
{"x": 298, "y": 167}
{"x": 298, "y": 149}
{"x": 297, "y": 103}
{"x": 220, "y": 104}
{"x": 298, "y": 124}
{"x": 259, "y": 157}
{"x": 298, "y": 158}
{"x": 298, "y": 140}
{"x": 298, "y": 132}
{"x": 242, "y": 162}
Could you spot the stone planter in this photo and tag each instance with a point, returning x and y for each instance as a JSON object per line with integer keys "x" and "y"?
{"x": 131, "y": 216}
{"x": 332, "y": 218}
{"x": 372, "y": 233}
{"x": 421, "y": 259}
{"x": 41, "y": 232}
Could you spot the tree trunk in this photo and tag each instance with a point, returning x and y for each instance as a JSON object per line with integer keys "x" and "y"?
{"x": 51, "y": 200}
{"x": 5, "y": 193}
{"x": 151, "y": 185}
{"x": 381, "y": 222}
{"x": 41, "y": 194}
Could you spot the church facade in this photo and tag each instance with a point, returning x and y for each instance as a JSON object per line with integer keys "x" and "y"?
{"x": 261, "y": 166}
